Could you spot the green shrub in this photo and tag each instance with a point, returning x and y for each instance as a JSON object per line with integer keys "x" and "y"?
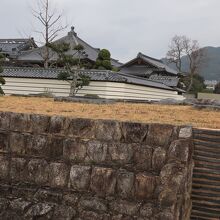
{"x": 104, "y": 54}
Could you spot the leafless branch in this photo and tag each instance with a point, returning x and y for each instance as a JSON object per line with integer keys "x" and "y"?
{"x": 48, "y": 17}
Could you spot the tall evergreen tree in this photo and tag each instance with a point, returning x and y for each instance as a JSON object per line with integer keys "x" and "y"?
{"x": 2, "y": 81}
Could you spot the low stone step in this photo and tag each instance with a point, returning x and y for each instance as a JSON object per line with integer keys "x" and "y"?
{"x": 206, "y": 188}
{"x": 207, "y": 193}
{"x": 200, "y": 170}
{"x": 207, "y": 199}
{"x": 207, "y": 132}
{"x": 207, "y": 154}
{"x": 207, "y": 144}
{"x": 199, "y": 164}
{"x": 207, "y": 177}
{"x": 206, "y": 138}
{"x": 208, "y": 149}
{"x": 206, "y": 159}
{"x": 206, "y": 182}
{"x": 193, "y": 217}
{"x": 207, "y": 210}
{"x": 206, "y": 204}
{"x": 205, "y": 214}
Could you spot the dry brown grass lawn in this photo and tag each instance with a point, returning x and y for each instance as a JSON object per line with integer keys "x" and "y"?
{"x": 148, "y": 113}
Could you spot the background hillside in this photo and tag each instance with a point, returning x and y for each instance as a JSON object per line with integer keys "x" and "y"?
{"x": 210, "y": 69}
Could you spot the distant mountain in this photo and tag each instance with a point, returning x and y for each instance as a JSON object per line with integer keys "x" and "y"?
{"x": 210, "y": 69}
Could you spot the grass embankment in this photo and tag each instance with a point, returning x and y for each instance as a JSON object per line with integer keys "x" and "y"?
{"x": 148, "y": 113}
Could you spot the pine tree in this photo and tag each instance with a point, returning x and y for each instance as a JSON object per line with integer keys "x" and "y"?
{"x": 2, "y": 81}
{"x": 103, "y": 62}
{"x": 71, "y": 66}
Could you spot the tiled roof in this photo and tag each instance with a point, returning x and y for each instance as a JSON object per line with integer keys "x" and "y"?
{"x": 72, "y": 38}
{"x": 151, "y": 64}
{"x": 14, "y": 46}
{"x": 167, "y": 80}
{"x": 95, "y": 75}
{"x": 157, "y": 63}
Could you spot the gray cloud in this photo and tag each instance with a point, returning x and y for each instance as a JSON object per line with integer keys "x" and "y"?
{"x": 125, "y": 27}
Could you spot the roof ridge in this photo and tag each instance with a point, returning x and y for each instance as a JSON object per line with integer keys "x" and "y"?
{"x": 149, "y": 57}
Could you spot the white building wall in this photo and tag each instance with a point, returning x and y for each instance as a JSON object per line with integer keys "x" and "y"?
{"x": 111, "y": 90}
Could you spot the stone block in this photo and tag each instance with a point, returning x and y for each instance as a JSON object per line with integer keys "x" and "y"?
{"x": 44, "y": 210}
{"x": 4, "y": 203}
{"x": 5, "y": 120}
{"x": 165, "y": 215}
{"x": 4, "y": 140}
{"x": 168, "y": 197}
{"x": 10, "y": 215}
{"x": 58, "y": 174}
{"x": 55, "y": 144}
{"x": 108, "y": 130}
{"x": 84, "y": 128}
{"x": 89, "y": 215}
{"x": 147, "y": 210}
{"x": 38, "y": 171}
{"x": 96, "y": 151}
{"x": 125, "y": 184}
{"x": 159, "y": 158}
{"x": 71, "y": 199}
{"x": 58, "y": 125}
{"x": 80, "y": 177}
{"x": 93, "y": 204}
{"x": 180, "y": 150}
{"x": 37, "y": 146}
{"x": 185, "y": 132}
{"x": 143, "y": 157}
{"x": 121, "y": 153}
{"x": 20, "y": 122}
{"x": 39, "y": 124}
{"x": 125, "y": 207}
{"x": 18, "y": 143}
{"x": 159, "y": 135}
{"x": 62, "y": 212}
{"x": 74, "y": 150}
{"x": 18, "y": 169}
{"x": 23, "y": 190}
{"x": 169, "y": 170}
{"x": 4, "y": 167}
{"x": 19, "y": 205}
{"x": 103, "y": 181}
{"x": 48, "y": 195}
{"x": 144, "y": 186}
{"x": 134, "y": 132}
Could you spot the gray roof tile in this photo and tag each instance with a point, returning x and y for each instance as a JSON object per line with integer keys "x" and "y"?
{"x": 95, "y": 75}
{"x": 13, "y": 47}
{"x": 167, "y": 80}
{"x": 152, "y": 64}
{"x": 73, "y": 40}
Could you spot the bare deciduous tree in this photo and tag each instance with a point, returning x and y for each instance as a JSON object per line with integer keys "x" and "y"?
{"x": 176, "y": 51}
{"x": 50, "y": 19}
{"x": 183, "y": 46}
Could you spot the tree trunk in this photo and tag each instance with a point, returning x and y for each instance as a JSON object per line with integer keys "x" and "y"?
{"x": 46, "y": 58}
{"x": 73, "y": 88}
{"x": 190, "y": 84}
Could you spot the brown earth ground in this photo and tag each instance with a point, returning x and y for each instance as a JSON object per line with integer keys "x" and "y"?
{"x": 147, "y": 113}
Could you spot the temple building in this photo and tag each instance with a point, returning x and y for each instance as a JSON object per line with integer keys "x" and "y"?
{"x": 12, "y": 48}
{"x": 34, "y": 57}
{"x": 152, "y": 69}
{"x": 142, "y": 79}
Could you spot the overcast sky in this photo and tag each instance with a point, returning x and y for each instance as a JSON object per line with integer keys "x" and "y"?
{"x": 125, "y": 27}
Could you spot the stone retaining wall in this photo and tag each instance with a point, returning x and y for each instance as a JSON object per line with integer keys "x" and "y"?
{"x": 63, "y": 168}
